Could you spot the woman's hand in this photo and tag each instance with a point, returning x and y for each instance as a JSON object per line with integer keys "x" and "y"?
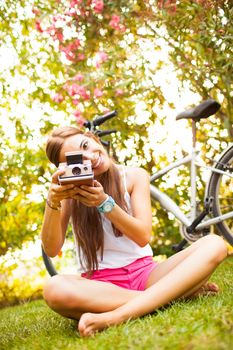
{"x": 59, "y": 192}
{"x": 91, "y": 196}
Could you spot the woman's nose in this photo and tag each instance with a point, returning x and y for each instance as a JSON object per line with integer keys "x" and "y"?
{"x": 89, "y": 156}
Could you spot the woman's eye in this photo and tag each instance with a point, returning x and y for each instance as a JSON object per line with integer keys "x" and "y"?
{"x": 85, "y": 145}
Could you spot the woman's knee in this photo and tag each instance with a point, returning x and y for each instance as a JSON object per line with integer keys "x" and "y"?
{"x": 55, "y": 292}
{"x": 216, "y": 247}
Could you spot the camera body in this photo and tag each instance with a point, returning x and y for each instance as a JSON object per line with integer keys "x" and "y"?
{"x": 77, "y": 171}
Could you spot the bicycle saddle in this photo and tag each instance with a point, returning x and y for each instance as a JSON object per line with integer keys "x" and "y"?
{"x": 203, "y": 110}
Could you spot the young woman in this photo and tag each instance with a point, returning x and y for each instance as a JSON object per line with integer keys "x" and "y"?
{"x": 111, "y": 222}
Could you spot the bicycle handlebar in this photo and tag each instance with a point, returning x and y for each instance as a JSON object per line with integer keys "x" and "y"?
{"x": 105, "y": 132}
{"x": 104, "y": 118}
{"x": 91, "y": 125}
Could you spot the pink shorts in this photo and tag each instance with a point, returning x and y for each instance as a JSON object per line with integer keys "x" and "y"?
{"x": 133, "y": 276}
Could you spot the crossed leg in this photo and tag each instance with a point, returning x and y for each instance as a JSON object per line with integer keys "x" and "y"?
{"x": 71, "y": 295}
{"x": 181, "y": 275}
{"x": 165, "y": 267}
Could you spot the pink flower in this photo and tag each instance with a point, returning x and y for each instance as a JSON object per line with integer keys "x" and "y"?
{"x": 77, "y": 113}
{"x": 76, "y": 89}
{"x": 78, "y": 77}
{"x": 72, "y": 89}
{"x": 57, "y": 18}
{"x": 66, "y": 86}
{"x": 122, "y": 28}
{"x": 115, "y": 20}
{"x": 76, "y": 44}
{"x": 115, "y": 24}
{"x": 98, "y": 6}
{"x": 172, "y": 9}
{"x": 81, "y": 57}
{"x": 70, "y": 56}
{"x": 83, "y": 12}
{"x": 35, "y": 10}
{"x": 72, "y": 12}
{"x": 58, "y": 98}
{"x": 75, "y": 2}
{"x": 50, "y": 30}
{"x": 98, "y": 93}
{"x": 101, "y": 57}
{"x": 59, "y": 36}
{"x": 73, "y": 45}
{"x": 38, "y": 26}
{"x": 69, "y": 50}
{"x": 75, "y": 101}
{"x": 79, "y": 118}
{"x": 160, "y": 4}
{"x": 119, "y": 92}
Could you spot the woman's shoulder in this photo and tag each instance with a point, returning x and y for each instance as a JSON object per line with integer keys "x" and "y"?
{"x": 135, "y": 171}
{"x": 134, "y": 175}
{"x": 132, "y": 170}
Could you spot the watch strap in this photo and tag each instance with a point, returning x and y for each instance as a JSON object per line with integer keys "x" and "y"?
{"x": 108, "y": 200}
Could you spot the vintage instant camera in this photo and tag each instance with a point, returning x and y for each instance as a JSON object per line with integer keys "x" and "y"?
{"x": 77, "y": 170}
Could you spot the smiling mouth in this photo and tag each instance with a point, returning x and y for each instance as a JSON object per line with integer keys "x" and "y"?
{"x": 97, "y": 162}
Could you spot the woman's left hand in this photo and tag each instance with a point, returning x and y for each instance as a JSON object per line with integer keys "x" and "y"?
{"x": 91, "y": 196}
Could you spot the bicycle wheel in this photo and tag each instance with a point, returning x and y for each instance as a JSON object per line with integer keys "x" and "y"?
{"x": 65, "y": 262}
{"x": 48, "y": 263}
{"x": 221, "y": 189}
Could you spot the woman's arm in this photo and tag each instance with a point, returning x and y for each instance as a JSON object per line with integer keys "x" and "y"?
{"x": 54, "y": 228}
{"x": 136, "y": 227}
{"x": 55, "y": 222}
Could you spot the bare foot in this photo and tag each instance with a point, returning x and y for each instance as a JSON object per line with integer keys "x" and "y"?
{"x": 206, "y": 289}
{"x": 90, "y": 323}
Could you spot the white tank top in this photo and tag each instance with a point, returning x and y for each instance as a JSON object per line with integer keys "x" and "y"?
{"x": 119, "y": 251}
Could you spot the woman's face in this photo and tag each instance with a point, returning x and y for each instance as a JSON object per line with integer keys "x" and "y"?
{"x": 91, "y": 150}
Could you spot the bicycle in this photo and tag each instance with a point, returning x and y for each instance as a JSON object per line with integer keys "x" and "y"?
{"x": 218, "y": 198}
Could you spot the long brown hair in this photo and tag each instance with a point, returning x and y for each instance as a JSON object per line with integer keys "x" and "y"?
{"x": 86, "y": 221}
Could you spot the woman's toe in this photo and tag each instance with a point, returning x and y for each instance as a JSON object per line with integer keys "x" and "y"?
{"x": 212, "y": 287}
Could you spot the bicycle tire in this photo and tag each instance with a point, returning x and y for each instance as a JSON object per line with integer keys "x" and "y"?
{"x": 48, "y": 263}
{"x": 219, "y": 184}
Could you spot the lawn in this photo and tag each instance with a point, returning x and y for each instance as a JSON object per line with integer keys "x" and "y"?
{"x": 202, "y": 323}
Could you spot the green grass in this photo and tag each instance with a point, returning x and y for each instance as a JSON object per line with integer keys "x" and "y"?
{"x": 203, "y": 323}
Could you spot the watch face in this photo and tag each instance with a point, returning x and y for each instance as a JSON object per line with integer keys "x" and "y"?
{"x": 108, "y": 207}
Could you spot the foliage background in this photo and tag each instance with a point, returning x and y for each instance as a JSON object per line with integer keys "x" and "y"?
{"x": 68, "y": 61}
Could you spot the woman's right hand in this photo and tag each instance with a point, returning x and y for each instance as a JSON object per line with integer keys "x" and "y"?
{"x": 59, "y": 192}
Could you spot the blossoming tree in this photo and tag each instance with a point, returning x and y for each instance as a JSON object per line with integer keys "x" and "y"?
{"x": 82, "y": 58}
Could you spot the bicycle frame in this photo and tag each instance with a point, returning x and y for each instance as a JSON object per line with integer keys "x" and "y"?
{"x": 168, "y": 204}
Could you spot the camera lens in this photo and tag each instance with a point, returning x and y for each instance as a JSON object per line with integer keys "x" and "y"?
{"x": 76, "y": 171}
